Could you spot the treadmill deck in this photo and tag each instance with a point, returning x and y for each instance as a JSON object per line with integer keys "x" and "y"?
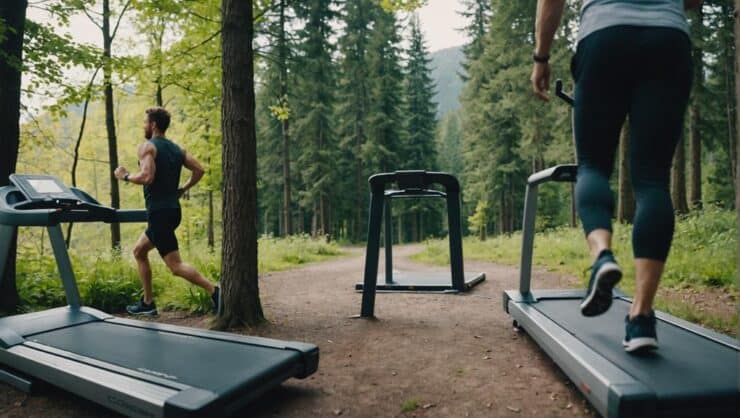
{"x": 423, "y": 282}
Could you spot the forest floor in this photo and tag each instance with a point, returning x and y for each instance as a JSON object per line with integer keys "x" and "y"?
{"x": 426, "y": 355}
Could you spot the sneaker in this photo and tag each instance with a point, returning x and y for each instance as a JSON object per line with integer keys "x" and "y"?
{"x": 218, "y": 306}
{"x": 640, "y": 333}
{"x": 141, "y": 308}
{"x": 605, "y": 274}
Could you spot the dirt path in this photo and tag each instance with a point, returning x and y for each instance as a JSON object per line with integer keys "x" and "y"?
{"x": 453, "y": 355}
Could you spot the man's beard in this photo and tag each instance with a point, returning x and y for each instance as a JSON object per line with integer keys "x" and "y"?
{"x": 147, "y": 133}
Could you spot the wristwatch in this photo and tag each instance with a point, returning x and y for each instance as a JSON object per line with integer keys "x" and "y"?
{"x": 541, "y": 58}
{"x": 125, "y": 178}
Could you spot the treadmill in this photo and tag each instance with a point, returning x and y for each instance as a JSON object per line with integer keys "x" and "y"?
{"x": 694, "y": 373}
{"x": 411, "y": 184}
{"x": 136, "y": 368}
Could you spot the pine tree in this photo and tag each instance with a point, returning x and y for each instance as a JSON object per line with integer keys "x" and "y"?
{"x": 478, "y": 14}
{"x": 385, "y": 127}
{"x": 420, "y": 110}
{"x": 352, "y": 108}
{"x": 315, "y": 105}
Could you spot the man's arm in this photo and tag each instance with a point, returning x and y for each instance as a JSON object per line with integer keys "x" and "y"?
{"x": 549, "y": 13}
{"x": 196, "y": 170}
{"x": 147, "y": 168}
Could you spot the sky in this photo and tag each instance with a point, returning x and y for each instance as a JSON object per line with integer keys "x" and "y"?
{"x": 440, "y": 21}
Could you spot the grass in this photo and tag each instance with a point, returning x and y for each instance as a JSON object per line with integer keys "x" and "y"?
{"x": 703, "y": 258}
{"x": 109, "y": 281}
{"x": 410, "y": 405}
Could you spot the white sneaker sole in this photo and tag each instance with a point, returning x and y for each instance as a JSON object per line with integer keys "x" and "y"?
{"x": 640, "y": 344}
{"x": 606, "y": 278}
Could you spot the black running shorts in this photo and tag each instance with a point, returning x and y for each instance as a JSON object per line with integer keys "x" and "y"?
{"x": 161, "y": 226}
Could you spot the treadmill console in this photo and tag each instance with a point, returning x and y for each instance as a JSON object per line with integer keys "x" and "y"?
{"x": 43, "y": 188}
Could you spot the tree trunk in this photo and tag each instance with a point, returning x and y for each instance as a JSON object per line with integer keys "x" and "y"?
{"x": 211, "y": 234}
{"x": 678, "y": 179}
{"x": 737, "y": 136}
{"x": 695, "y": 113}
{"x": 239, "y": 275}
{"x": 110, "y": 123}
{"x": 573, "y": 212}
{"x": 76, "y": 159}
{"x": 283, "y": 48}
{"x": 13, "y": 15}
{"x": 730, "y": 99}
{"x": 626, "y": 207}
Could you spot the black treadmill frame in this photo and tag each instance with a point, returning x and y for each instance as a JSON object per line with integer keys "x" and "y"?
{"x": 411, "y": 184}
{"x": 612, "y": 391}
{"x": 125, "y": 390}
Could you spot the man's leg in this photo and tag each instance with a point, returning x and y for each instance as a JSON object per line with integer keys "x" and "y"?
{"x": 601, "y": 105}
{"x": 141, "y": 254}
{"x": 657, "y": 111}
{"x": 186, "y": 271}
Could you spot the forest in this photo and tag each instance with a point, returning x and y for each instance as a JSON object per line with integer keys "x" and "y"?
{"x": 343, "y": 90}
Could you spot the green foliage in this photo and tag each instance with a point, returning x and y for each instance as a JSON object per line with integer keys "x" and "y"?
{"x": 110, "y": 281}
{"x": 396, "y": 5}
{"x": 479, "y": 219}
{"x": 703, "y": 255}
{"x": 410, "y": 405}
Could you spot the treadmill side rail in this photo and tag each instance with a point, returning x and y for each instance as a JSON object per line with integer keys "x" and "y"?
{"x": 596, "y": 377}
{"x": 21, "y": 383}
{"x": 123, "y": 394}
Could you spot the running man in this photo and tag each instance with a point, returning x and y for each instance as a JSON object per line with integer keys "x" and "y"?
{"x": 633, "y": 58}
{"x": 160, "y": 164}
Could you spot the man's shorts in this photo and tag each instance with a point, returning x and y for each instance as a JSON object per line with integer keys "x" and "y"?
{"x": 161, "y": 225}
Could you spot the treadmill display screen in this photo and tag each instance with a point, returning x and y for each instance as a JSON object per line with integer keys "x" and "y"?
{"x": 44, "y": 186}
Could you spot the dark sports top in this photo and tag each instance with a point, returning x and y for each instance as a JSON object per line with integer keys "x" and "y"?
{"x": 162, "y": 192}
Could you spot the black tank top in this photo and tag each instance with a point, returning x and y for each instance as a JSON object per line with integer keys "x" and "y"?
{"x": 162, "y": 192}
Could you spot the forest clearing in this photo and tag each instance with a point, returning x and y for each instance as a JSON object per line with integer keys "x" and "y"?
{"x": 365, "y": 208}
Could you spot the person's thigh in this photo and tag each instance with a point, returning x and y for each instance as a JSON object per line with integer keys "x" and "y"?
{"x": 602, "y": 96}
{"x": 658, "y": 106}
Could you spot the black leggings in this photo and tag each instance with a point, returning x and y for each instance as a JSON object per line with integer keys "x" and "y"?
{"x": 646, "y": 73}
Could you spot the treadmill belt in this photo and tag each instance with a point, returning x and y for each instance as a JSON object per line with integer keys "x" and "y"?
{"x": 218, "y": 366}
{"x": 685, "y": 365}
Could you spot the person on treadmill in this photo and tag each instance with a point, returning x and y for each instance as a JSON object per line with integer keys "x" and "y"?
{"x": 633, "y": 58}
{"x": 160, "y": 164}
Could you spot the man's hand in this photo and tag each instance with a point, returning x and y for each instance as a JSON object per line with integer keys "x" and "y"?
{"x": 541, "y": 80}
{"x": 181, "y": 191}
{"x": 120, "y": 172}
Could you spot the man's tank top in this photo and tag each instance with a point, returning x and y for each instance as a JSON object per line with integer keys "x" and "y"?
{"x": 162, "y": 192}
{"x": 600, "y": 14}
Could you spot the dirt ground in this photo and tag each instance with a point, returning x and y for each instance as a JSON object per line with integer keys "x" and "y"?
{"x": 453, "y": 355}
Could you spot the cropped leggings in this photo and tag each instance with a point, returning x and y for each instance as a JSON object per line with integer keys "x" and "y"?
{"x": 646, "y": 73}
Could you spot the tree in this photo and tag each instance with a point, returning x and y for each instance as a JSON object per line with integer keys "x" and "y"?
{"x": 626, "y": 205}
{"x": 109, "y": 35}
{"x": 239, "y": 282}
{"x": 381, "y": 150}
{"x": 353, "y": 104}
{"x": 315, "y": 105}
{"x": 12, "y": 23}
{"x": 420, "y": 109}
{"x": 478, "y": 14}
{"x": 737, "y": 127}
{"x": 678, "y": 179}
{"x": 695, "y": 116}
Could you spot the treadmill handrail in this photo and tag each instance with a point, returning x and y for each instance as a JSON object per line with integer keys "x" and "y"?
{"x": 559, "y": 173}
{"x": 14, "y": 214}
{"x": 411, "y": 183}
{"x": 413, "y": 180}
